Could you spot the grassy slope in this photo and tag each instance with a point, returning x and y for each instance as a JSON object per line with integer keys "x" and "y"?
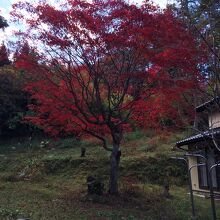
{"x": 50, "y": 183}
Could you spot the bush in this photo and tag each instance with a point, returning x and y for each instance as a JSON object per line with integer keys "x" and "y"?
{"x": 155, "y": 170}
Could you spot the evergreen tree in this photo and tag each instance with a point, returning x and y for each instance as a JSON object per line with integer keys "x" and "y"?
{"x": 3, "y": 23}
{"x": 4, "y": 60}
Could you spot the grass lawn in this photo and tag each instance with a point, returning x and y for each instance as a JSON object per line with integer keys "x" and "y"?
{"x": 49, "y": 183}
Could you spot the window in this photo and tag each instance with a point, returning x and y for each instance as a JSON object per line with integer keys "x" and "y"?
{"x": 202, "y": 174}
{"x": 203, "y": 171}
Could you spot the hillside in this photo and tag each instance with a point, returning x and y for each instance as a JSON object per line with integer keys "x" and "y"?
{"x": 47, "y": 181}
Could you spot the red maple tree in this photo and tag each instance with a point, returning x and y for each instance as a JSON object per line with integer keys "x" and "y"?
{"x": 103, "y": 65}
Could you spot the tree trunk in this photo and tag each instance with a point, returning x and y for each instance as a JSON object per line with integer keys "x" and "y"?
{"x": 114, "y": 162}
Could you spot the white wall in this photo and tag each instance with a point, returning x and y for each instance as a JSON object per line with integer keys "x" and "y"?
{"x": 214, "y": 120}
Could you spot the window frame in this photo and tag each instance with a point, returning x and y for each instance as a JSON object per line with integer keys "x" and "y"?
{"x": 207, "y": 167}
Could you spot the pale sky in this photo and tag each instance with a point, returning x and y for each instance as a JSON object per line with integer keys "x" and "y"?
{"x": 5, "y": 7}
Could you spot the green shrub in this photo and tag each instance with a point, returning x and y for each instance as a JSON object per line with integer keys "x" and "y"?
{"x": 155, "y": 170}
{"x": 9, "y": 214}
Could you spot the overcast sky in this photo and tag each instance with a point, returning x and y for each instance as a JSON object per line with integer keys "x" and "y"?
{"x": 5, "y": 7}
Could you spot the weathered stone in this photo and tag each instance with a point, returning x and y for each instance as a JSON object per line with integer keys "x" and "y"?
{"x": 95, "y": 186}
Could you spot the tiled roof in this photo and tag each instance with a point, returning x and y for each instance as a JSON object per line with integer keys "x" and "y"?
{"x": 207, "y": 105}
{"x": 199, "y": 137}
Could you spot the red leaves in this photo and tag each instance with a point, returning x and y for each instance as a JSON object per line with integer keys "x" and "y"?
{"x": 105, "y": 62}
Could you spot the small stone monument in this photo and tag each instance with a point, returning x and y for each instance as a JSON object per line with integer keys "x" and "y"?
{"x": 166, "y": 189}
{"x": 83, "y": 152}
{"x": 95, "y": 186}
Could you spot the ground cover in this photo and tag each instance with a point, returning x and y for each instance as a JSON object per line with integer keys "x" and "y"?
{"x": 47, "y": 181}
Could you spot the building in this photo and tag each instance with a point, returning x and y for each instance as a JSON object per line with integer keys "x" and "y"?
{"x": 204, "y": 147}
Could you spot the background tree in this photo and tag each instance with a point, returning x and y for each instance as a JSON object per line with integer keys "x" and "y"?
{"x": 4, "y": 59}
{"x": 101, "y": 65}
{"x": 13, "y": 103}
{"x": 3, "y": 23}
{"x": 203, "y": 19}
{"x": 13, "y": 100}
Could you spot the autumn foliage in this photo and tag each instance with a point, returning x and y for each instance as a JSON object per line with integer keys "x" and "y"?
{"x": 103, "y": 67}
